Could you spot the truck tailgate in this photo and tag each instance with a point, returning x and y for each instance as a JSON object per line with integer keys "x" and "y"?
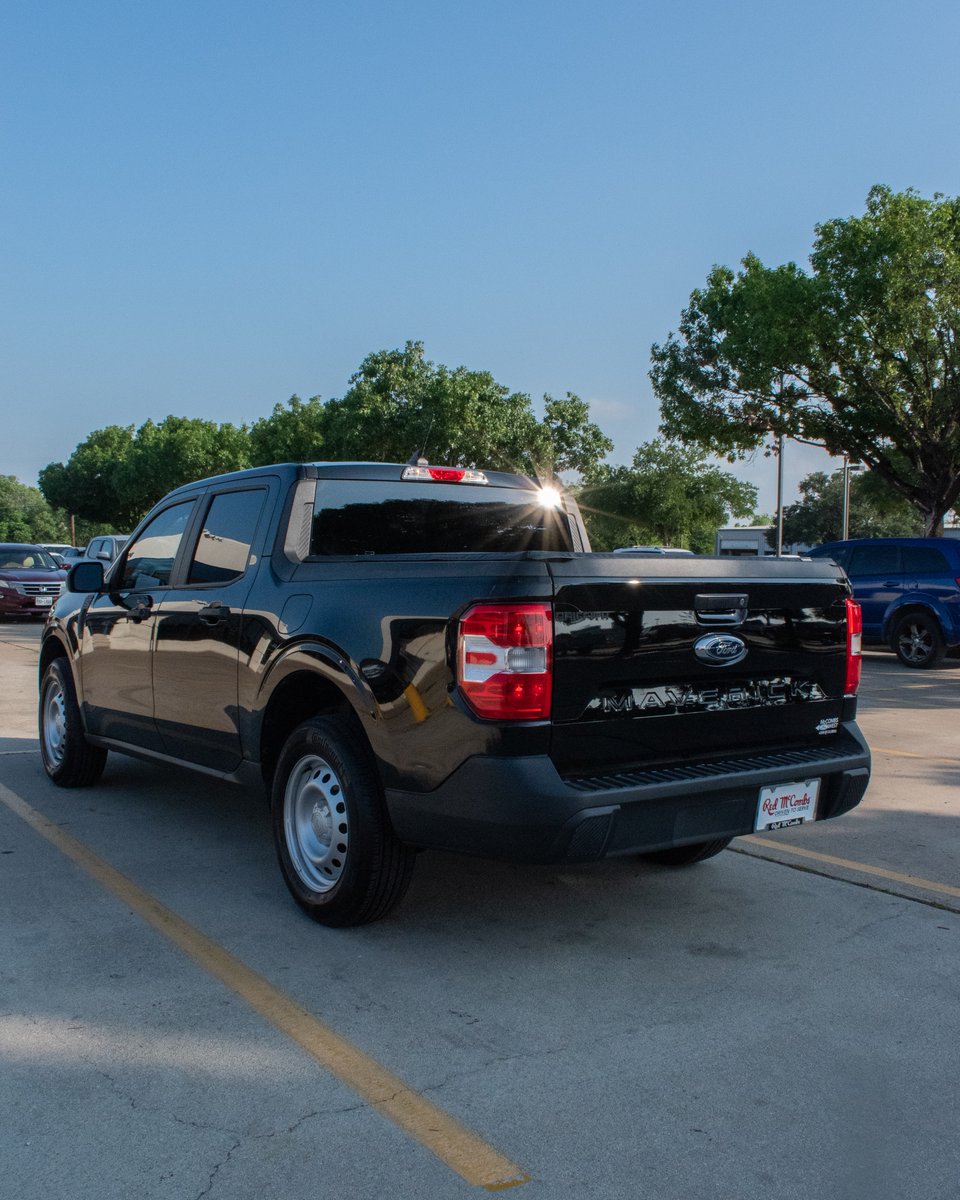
{"x": 662, "y": 661}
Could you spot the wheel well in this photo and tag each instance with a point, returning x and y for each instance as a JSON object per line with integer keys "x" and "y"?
{"x": 51, "y": 650}
{"x": 298, "y": 698}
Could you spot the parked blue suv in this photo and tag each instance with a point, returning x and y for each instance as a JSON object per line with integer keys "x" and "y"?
{"x": 909, "y": 590}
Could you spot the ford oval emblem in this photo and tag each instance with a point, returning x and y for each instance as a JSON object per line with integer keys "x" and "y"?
{"x": 720, "y": 649}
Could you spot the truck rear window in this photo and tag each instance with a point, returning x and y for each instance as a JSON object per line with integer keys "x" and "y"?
{"x": 361, "y": 517}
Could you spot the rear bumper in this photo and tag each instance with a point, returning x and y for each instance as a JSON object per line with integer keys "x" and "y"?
{"x": 521, "y": 809}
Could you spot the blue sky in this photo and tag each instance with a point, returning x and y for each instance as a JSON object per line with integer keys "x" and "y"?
{"x": 206, "y": 207}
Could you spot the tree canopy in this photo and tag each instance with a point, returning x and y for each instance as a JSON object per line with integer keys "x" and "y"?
{"x": 292, "y": 433}
{"x": 87, "y": 483}
{"x": 860, "y": 354}
{"x": 115, "y": 475}
{"x": 874, "y": 511}
{"x": 672, "y": 495}
{"x": 25, "y": 516}
{"x": 400, "y": 403}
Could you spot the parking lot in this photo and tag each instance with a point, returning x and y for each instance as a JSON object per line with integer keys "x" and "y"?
{"x": 781, "y": 1021}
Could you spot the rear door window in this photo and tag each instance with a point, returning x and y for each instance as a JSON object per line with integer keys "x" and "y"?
{"x": 874, "y": 560}
{"x": 223, "y": 546}
{"x": 924, "y": 560}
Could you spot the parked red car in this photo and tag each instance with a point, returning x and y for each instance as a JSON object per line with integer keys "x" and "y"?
{"x": 29, "y": 580}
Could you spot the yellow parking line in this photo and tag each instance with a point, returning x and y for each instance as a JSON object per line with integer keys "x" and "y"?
{"x": 456, "y": 1146}
{"x": 928, "y": 885}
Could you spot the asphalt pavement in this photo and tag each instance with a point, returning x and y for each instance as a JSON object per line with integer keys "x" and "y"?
{"x": 779, "y": 1022}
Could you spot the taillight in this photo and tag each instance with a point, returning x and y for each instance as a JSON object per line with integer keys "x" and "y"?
{"x": 854, "y": 640}
{"x": 505, "y": 661}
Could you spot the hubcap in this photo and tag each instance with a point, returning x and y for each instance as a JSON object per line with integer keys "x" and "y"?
{"x": 54, "y": 725}
{"x": 315, "y": 823}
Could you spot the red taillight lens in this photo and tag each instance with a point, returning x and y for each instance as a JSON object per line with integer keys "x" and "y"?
{"x": 505, "y": 661}
{"x": 446, "y": 474}
{"x": 854, "y": 640}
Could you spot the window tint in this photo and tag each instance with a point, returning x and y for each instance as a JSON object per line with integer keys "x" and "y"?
{"x": 361, "y": 517}
{"x": 223, "y": 547}
{"x": 924, "y": 560}
{"x": 875, "y": 560}
{"x": 150, "y": 561}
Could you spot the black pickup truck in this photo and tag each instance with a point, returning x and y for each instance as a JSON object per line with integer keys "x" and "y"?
{"x": 417, "y": 656}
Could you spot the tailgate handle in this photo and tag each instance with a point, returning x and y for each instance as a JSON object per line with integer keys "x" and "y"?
{"x": 721, "y": 609}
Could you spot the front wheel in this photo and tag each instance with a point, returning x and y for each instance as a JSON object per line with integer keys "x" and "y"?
{"x": 683, "y": 856}
{"x": 918, "y": 642}
{"x": 68, "y": 758}
{"x": 338, "y": 853}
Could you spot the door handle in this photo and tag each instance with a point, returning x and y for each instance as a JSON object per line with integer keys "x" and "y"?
{"x": 214, "y": 613}
{"x": 140, "y": 607}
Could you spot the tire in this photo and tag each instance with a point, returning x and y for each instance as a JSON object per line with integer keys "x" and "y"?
{"x": 68, "y": 758}
{"x": 338, "y": 853}
{"x": 918, "y": 642}
{"x": 684, "y": 856}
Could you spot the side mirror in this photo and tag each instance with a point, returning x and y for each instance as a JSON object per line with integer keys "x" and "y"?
{"x": 105, "y": 555}
{"x": 85, "y": 577}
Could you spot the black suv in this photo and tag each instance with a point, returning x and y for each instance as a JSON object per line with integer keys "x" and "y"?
{"x": 909, "y": 590}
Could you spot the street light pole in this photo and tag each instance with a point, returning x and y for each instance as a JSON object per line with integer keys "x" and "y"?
{"x": 780, "y": 441}
{"x": 845, "y": 522}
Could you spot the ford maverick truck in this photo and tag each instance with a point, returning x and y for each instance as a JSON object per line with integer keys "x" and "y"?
{"x": 417, "y": 656}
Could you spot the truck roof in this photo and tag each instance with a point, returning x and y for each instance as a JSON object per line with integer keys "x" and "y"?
{"x": 344, "y": 470}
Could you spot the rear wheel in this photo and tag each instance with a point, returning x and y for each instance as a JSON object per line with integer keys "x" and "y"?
{"x": 918, "y": 642}
{"x": 683, "y": 856}
{"x": 338, "y": 853}
{"x": 68, "y": 758}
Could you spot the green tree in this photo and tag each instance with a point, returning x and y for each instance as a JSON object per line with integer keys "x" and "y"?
{"x": 400, "y": 403}
{"x": 874, "y": 510}
{"x": 861, "y": 354}
{"x": 672, "y": 495}
{"x": 116, "y": 475}
{"x": 292, "y": 433}
{"x": 87, "y": 483}
{"x": 175, "y": 451}
{"x": 25, "y": 516}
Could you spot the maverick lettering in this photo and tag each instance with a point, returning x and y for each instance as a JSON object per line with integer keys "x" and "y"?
{"x": 667, "y": 701}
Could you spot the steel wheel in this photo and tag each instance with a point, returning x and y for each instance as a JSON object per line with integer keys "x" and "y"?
{"x": 53, "y": 724}
{"x": 316, "y": 823}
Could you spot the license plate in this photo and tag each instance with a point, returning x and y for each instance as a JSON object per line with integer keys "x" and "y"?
{"x": 43, "y": 601}
{"x": 786, "y": 804}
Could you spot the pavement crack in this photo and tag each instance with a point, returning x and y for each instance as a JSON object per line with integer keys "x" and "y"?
{"x": 872, "y": 924}
{"x": 217, "y": 1169}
